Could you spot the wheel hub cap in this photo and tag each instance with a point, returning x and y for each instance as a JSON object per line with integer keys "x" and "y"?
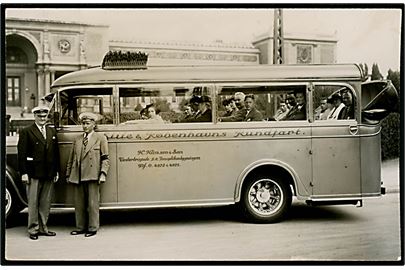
{"x": 265, "y": 197}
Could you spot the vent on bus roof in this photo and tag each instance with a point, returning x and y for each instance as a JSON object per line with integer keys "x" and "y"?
{"x": 125, "y": 60}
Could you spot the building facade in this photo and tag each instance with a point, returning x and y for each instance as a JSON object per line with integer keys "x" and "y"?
{"x": 40, "y": 51}
{"x": 300, "y": 48}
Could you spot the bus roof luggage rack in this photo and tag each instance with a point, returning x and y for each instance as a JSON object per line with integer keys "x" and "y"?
{"x": 117, "y": 60}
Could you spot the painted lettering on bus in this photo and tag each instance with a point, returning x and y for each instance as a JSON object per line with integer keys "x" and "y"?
{"x": 185, "y": 135}
{"x": 121, "y": 135}
{"x": 270, "y": 133}
{"x": 151, "y": 136}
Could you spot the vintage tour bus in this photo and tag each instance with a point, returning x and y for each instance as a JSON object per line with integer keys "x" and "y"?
{"x": 254, "y": 136}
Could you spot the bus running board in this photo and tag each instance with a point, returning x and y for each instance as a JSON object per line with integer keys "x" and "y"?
{"x": 321, "y": 203}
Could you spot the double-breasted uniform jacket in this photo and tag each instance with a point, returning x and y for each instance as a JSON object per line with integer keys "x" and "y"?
{"x": 91, "y": 163}
{"x": 37, "y": 157}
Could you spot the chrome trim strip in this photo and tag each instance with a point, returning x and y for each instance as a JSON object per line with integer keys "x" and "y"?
{"x": 145, "y": 205}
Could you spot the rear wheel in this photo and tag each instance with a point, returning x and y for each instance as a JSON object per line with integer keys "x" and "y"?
{"x": 265, "y": 199}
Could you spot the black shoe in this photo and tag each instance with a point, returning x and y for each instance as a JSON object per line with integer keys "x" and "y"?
{"x": 34, "y": 236}
{"x": 48, "y": 233}
{"x": 76, "y": 232}
{"x": 89, "y": 234}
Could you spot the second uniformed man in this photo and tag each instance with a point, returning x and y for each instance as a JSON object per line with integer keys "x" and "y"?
{"x": 87, "y": 168}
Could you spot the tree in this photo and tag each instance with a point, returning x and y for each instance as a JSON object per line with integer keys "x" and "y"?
{"x": 394, "y": 77}
{"x": 375, "y": 73}
{"x": 364, "y": 70}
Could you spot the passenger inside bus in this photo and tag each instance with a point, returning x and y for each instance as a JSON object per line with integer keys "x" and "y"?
{"x": 144, "y": 114}
{"x": 149, "y": 115}
{"x": 281, "y": 112}
{"x": 299, "y": 111}
{"x": 349, "y": 106}
{"x": 338, "y": 107}
{"x": 204, "y": 110}
{"x": 187, "y": 113}
{"x": 321, "y": 113}
{"x": 250, "y": 112}
{"x": 230, "y": 107}
{"x": 239, "y": 115}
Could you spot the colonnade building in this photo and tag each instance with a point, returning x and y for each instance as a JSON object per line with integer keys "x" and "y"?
{"x": 40, "y": 51}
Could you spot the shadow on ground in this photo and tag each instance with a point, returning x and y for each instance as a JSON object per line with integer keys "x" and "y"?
{"x": 298, "y": 212}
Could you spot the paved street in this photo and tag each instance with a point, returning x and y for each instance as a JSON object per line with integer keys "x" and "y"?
{"x": 310, "y": 233}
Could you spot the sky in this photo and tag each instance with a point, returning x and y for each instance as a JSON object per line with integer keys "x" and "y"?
{"x": 364, "y": 35}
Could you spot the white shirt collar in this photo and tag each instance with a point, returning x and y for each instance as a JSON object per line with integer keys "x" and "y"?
{"x": 39, "y": 127}
{"x": 88, "y": 135}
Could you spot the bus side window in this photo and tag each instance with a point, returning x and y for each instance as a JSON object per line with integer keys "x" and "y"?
{"x": 165, "y": 104}
{"x": 261, "y": 103}
{"x": 334, "y": 102}
{"x": 76, "y": 101}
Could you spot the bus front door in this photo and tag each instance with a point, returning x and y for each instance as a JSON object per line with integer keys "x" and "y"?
{"x": 336, "y": 159}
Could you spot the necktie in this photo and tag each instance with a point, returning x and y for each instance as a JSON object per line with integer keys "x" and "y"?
{"x": 85, "y": 140}
{"x": 43, "y": 132}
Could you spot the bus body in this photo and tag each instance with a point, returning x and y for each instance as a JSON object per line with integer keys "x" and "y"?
{"x": 259, "y": 165}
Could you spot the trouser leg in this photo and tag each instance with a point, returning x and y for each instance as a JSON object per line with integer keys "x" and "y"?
{"x": 93, "y": 205}
{"x": 33, "y": 193}
{"x": 44, "y": 204}
{"x": 80, "y": 207}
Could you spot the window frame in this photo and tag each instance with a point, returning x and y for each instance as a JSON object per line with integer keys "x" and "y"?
{"x": 308, "y": 96}
{"x": 339, "y": 84}
{"x": 172, "y": 85}
{"x": 59, "y": 108}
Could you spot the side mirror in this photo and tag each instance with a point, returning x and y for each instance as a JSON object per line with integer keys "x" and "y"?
{"x": 380, "y": 98}
{"x": 374, "y": 116}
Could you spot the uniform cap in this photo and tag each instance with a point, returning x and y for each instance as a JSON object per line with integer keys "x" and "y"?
{"x": 88, "y": 116}
{"x": 40, "y": 110}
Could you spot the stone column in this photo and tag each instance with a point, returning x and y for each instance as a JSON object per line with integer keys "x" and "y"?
{"x": 47, "y": 80}
{"x": 52, "y": 76}
{"x": 82, "y": 52}
{"x": 40, "y": 84}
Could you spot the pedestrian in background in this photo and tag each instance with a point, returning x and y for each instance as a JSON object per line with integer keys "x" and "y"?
{"x": 87, "y": 168}
{"x": 38, "y": 158}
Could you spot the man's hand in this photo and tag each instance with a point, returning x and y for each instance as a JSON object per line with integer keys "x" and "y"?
{"x": 25, "y": 179}
{"x": 101, "y": 179}
{"x": 56, "y": 178}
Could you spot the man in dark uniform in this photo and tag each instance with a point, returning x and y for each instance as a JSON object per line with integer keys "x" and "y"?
{"x": 38, "y": 158}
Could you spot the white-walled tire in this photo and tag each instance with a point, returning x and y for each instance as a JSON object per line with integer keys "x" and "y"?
{"x": 265, "y": 199}
{"x": 8, "y": 202}
{"x": 12, "y": 203}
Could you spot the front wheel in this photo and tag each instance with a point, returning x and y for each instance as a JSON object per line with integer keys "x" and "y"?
{"x": 12, "y": 203}
{"x": 265, "y": 199}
